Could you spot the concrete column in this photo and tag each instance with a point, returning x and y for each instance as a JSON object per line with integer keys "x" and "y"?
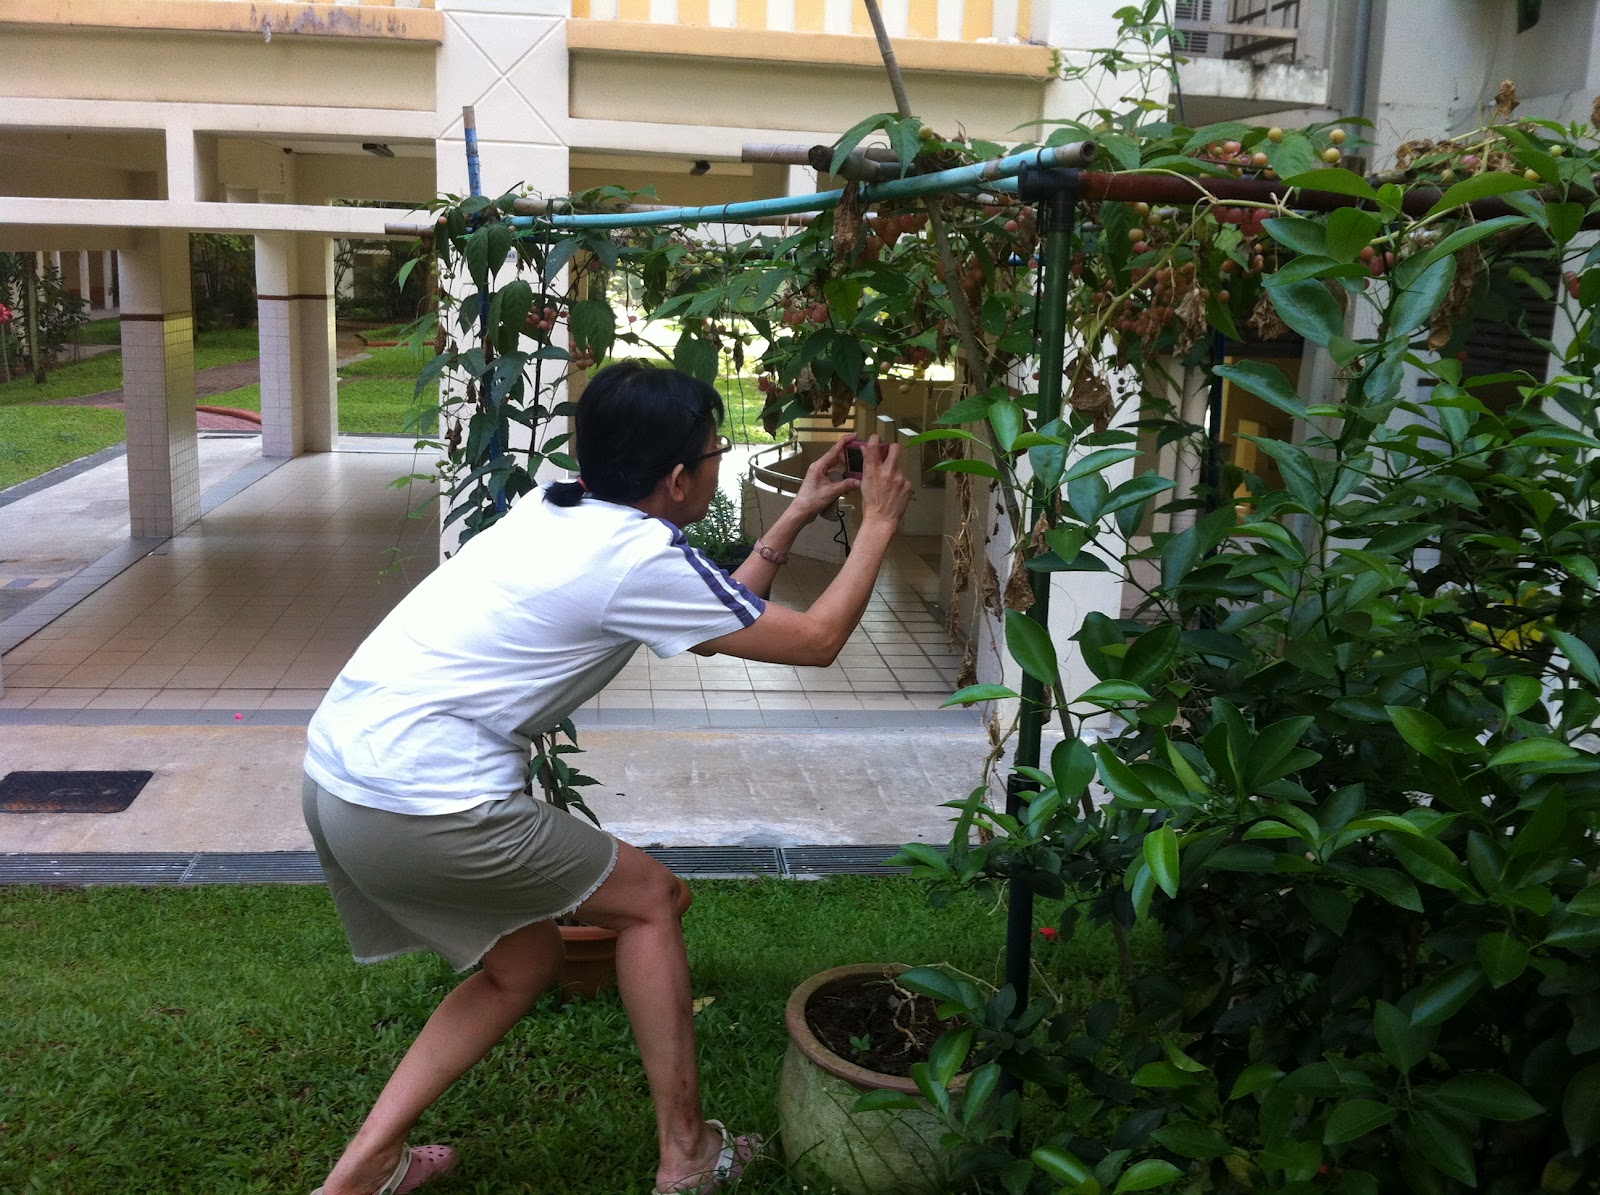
{"x": 317, "y": 358}
{"x": 85, "y": 278}
{"x": 158, "y": 384}
{"x": 294, "y": 303}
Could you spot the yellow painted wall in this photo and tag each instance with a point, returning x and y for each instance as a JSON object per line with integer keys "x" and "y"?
{"x": 783, "y": 95}
{"x": 81, "y": 165}
{"x": 141, "y": 66}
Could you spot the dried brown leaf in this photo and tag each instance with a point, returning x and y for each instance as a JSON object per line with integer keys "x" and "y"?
{"x": 1505, "y": 101}
{"x": 1019, "y": 588}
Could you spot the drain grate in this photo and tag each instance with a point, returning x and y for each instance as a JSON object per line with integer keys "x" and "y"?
{"x": 301, "y": 867}
{"x": 70, "y": 792}
{"x": 715, "y": 862}
{"x": 840, "y": 860}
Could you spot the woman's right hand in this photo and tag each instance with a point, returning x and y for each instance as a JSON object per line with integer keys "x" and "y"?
{"x": 885, "y": 491}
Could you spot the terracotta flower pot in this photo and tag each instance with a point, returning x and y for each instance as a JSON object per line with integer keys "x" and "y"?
{"x": 831, "y": 1146}
{"x": 591, "y": 963}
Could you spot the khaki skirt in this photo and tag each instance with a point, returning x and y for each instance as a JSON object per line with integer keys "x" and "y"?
{"x": 452, "y": 883}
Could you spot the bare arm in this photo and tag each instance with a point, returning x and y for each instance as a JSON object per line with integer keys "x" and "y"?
{"x": 815, "y": 636}
{"x": 816, "y": 494}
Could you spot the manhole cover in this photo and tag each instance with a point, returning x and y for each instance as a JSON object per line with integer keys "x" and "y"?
{"x": 70, "y": 792}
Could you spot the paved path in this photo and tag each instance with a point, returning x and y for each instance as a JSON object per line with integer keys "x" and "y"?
{"x": 236, "y": 787}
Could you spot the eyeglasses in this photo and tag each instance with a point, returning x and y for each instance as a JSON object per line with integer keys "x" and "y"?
{"x": 723, "y": 444}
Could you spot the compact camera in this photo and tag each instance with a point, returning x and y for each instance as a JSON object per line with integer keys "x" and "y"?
{"x": 854, "y": 456}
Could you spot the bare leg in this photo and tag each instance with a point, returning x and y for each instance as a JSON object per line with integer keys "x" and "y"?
{"x": 467, "y": 1025}
{"x": 639, "y": 901}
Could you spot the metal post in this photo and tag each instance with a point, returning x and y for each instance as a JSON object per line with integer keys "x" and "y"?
{"x": 469, "y": 128}
{"x": 1056, "y": 191}
{"x": 30, "y": 315}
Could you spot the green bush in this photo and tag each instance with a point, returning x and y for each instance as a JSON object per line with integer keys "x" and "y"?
{"x": 1352, "y": 771}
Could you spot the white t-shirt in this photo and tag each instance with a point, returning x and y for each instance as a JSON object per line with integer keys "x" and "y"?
{"x": 527, "y": 622}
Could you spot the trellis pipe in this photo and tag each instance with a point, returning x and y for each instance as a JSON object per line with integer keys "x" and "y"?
{"x": 469, "y": 127}
{"x": 979, "y": 174}
{"x": 1128, "y": 187}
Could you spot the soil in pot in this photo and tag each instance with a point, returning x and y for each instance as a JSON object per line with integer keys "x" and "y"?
{"x": 876, "y": 1024}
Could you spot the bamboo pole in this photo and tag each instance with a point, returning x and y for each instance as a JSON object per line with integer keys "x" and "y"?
{"x": 966, "y": 326}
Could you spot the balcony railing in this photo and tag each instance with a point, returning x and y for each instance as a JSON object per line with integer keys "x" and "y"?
{"x": 1254, "y": 29}
{"x": 944, "y": 20}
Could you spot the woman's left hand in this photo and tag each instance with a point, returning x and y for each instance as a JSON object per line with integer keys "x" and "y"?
{"x": 818, "y": 491}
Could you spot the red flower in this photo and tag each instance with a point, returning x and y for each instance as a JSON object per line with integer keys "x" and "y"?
{"x": 1048, "y": 934}
{"x": 6, "y": 315}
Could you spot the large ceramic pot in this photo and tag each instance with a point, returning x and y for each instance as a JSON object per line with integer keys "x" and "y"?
{"x": 591, "y": 963}
{"x": 831, "y": 1146}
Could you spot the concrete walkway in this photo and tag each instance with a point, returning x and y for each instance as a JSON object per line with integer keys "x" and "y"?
{"x": 201, "y": 658}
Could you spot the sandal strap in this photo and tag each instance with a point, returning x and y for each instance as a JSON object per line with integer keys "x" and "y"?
{"x": 392, "y": 1183}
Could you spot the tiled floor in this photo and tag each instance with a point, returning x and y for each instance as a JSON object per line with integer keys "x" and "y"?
{"x": 258, "y": 606}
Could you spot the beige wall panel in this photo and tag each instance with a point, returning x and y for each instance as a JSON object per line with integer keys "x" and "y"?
{"x": 184, "y": 68}
{"x": 254, "y": 165}
{"x": 781, "y": 96}
{"x": 348, "y": 176}
{"x": 676, "y": 188}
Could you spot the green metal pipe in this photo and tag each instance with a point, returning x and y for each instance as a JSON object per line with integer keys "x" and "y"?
{"x": 989, "y": 174}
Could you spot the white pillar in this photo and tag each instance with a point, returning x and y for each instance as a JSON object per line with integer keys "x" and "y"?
{"x": 85, "y": 279}
{"x": 158, "y": 384}
{"x": 294, "y": 303}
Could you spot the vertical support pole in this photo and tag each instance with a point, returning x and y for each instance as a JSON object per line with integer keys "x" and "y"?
{"x": 1057, "y": 192}
{"x": 469, "y": 129}
{"x": 30, "y": 314}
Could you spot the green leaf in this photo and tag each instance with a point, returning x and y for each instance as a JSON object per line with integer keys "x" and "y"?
{"x": 1587, "y": 902}
{"x": 1147, "y": 1176}
{"x": 887, "y": 1101}
{"x": 1350, "y": 230}
{"x": 1445, "y": 1147}
{"x": 1061, "y": 1165}
{"x": 1402, "y": 1043}
{"x": 1310, "y": 310}
{"x": 1255, "y": 1077}
{"x": 1502, "y": 958}
{"x": 1190, "y": 1139}
{"x": 1580, "y": 1109}
{"x": 904, "y": 135}
{"x": 1296, "y": 232}
{"x": 853, "y": 137}
{"x": 1097, "y": 462}
{"x": 1579, "y": 655}
{"x": 1356, "y": 1118}
{"x": 1162, "y": 1075}
{"x": 594, "y": 328}
{"x": 1109, "y": 692}
{"x": 697, "y": 357}
{"x": 976, "y": 693}
{"x": 1522, "y": 693}
{"x": 977, "y": 468}
{"x": 1479, "y": 186}
{"x": 1419, "y": 728}
{"x": 1493, "y": 1096}
{"x": 1446, "y": 994}
{"x": 1416, "y": 301}
{"x": 1030, "y": 646}
{"x": 1532, "y": 751}
{"x": 1006, "y": 417}
{"x": 1072, "y": 767}
{"x": 1161, "y": 853}
{"x": 1337, "y": 180}
{"x": 1461, "y": 238}
{"x": 1266, "y": 382}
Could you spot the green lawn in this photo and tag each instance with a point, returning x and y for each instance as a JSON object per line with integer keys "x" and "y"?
{"x": 101, "y": 331}
{"x": 221, "y": 1039}
{"x": 375, "y": 395}
{"x": 35, "y": 440}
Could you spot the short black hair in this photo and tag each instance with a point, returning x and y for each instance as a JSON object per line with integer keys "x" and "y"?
{"x": 636, "y": 423}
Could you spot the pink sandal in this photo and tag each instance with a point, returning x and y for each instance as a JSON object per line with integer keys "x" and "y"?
{"x": 737, "y": 1153}
{"x": 416, "y": 1167}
